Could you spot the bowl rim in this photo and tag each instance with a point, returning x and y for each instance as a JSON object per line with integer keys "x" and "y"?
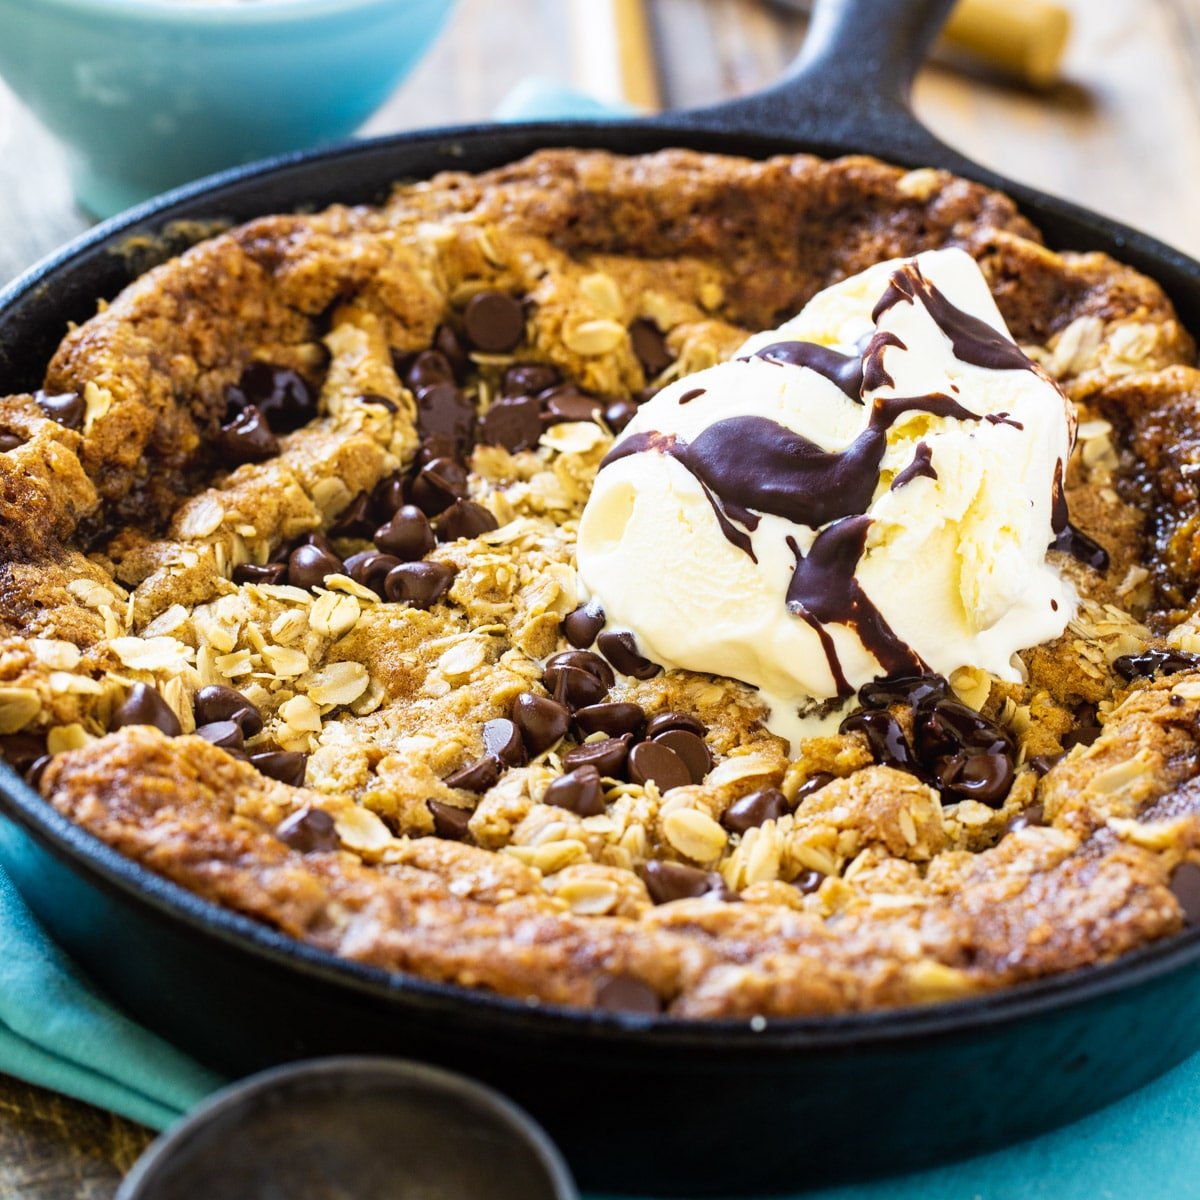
{"x": 212, "y": 14}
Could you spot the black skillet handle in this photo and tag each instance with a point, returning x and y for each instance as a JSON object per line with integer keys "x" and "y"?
{"x": 849, "y": 90}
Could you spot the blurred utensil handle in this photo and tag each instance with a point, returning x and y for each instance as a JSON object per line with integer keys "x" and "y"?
{"x": 612, "y": 52}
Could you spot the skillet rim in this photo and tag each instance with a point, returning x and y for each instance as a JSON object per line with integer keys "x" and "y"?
{"x": 104, "y": 867}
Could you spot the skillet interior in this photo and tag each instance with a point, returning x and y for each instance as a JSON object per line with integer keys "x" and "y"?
{"x": 796, "y": 1092}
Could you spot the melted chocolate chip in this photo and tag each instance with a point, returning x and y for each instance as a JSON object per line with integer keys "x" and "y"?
{"x": 1185, "y": 886}
{"x": 408, "y": 536}
{"x": 542, "y": 721}
{"x": 246, "y": 438}
{"x": 465, "y": 519}
{"x": 667, "y": 881}
{"x": 530, "y": 379}
{"x": 808, "y": 882}
{"x": 690, "y": 748}
{"x": 1033, "y": 815}
{"x": 449, "y": 822}
{"x": 10, "y": 441}
{"x": 445, "y": 412}
{"x": 502, "y": 740}
{"x": 281, "y": 394}
{"x": 428, "y": 368}
{"x": 438, "y": 484}
{"x": 1151, "y": 662}
{"x": 1080, "y": 547}
{"x": 608, "y": 755}
{"x": 767, "y": 804}
{"x": 611, "y": 719}
{"x": 379, "y": 401}
{"x": 371, "y": 569}
{"x": 569, "y": 403}
{"x": 581, "y": 626}
{"x": 813, "y": 784}
{"x": 620, "y": 648}
{"x": 650, "y": 347}
{"x": 389, "y": 496}
{"x": 226, "y": 734}
{"x": 35, "y": 771}
{"x": 308, "y": 566}
{"x": 514, "y": 422}
{"x": 476, "y": 776}
{"x": 356, "y": 520}
{"x": 285, "y": 766}
{"x": 652, "y": 761}
{"x": 421, "y": 584}
{"x": 664, "y": 721}
{"x": 691, "y": 394}
{"x": 1041, "y": 764}
{"x": 274, "y": 573}
{"x": 627, "y": 993}
{"x": 144, "y": 706}
{"x": 619, "y": 413}
{"x": 585, "y": 660}
{"x": 218, "y": 703}
{"x": 309, "y": 830}
{"x": 579, "y": 791}
{"x": 985, "y": 777}
{"x": 21, "y": 750}
{"x": 67, "y": 408}
{"x": 494, "y": 322}
{"x": 574, "y": 687}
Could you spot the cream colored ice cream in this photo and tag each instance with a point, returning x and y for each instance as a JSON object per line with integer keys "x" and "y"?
{"x": 808, "y": 519}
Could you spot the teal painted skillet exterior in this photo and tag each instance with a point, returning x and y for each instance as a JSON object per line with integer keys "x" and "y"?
{"x": 148, "y": 94}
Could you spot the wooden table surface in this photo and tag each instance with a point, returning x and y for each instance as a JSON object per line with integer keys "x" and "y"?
{"x": 1121, "y": 134}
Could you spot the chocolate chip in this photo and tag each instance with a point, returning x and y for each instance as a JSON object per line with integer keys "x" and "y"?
{"x": 476, "y": 776}
{"x": 886, "y": 739}
{"x": 665, "y": 721}
{"x": 35, "y": 771}
{"x": 429, "y": 367}
{"x": 542, "y": 721}
{"x": 1033, "y": 815}
{"x": 10, "y": 441}
{"x": 573, "y": 687}
{"x": 421, "y": 584}
{"x": 667, "y": 881}
{"x": 529, "y": 379}
{"x": 608, "y": 755}
{"x": 438, "y": 484}
{"x": 465, "y": 519}
{"x": 356, "y": 520}
{"x": 514, "y": 422}
{"x": 581, "y": 626}
{"x": 619, "y": 413}
{"x": 502, "y": 740}
{"x": 578, "y": 791}
{"x": 445, "y": 412}
{"x": 274, "y": 573}
{"x": 218, "y": 703}
{"x": 285, "y": 766}
{"x": 67, "y": 408}
{"x": 379, "y": 401}
{"x": 808, "y": 882}
{"x": 247, "y": 438}
{"x": 984, "y": 777}
{"x": 612, "y": 719}
{"x": 449, "y": 822}
{"x": 494, "y": 322}
{"x": 650, "y": 348}
{"x": 389, "y": 496}
{"x": 621, "y": 650}
{"x": 1152, "y": 662}
{"x": 767, "y": 804}
{"x": 1085, "y": 735}
{"x": 569, "y": 403}
{"x": 308, "y": 566}
{"x": 690, "y": 748}
{"x": 450, "y": 344}
{"x": 691, "y": 394}
{"x": 585, "y": 660}
{"x": 309, "y": 830}
{"x": 370, "y": 568}
{"x": 652, "y": 761}
{"x": 1041, "y": 763}
{"x": 226, "y": 734}
{"x": 408, "y": 535}
{"x": 627, "y": 993}
{"x": 813, "y": 784}
{"x": 282, "y": 395}
{"x": 1185, "y": 886}
{"x": 144, "y": 706}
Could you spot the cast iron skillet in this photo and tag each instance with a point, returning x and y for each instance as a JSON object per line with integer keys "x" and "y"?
{"x": 644, "y": 1105}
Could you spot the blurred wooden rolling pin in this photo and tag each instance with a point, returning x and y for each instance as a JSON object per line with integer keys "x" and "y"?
{"x": 1022, "y": 39}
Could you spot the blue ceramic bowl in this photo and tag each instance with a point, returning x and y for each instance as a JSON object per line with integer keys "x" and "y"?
{"x": 147, "y": 94}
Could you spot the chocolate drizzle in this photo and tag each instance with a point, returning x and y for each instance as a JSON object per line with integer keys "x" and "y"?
{"x": 843, "y": 370}
{"x": 1067, "y": 538}
{"x": 922, "y": 464}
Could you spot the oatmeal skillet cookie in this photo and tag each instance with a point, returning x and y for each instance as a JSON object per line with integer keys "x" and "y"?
{"x": 291, "y": 612}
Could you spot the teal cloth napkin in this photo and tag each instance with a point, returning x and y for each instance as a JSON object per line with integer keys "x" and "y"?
{"x": 56, "y": 1030}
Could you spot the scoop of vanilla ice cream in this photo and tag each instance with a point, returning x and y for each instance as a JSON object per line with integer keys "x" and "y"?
{"x": 951, "y": 539}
